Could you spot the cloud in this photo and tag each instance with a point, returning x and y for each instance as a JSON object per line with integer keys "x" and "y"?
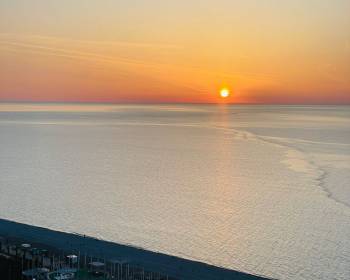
{"x": 56, "y": 40}
{"x": 70, "y": 53}
{"x": 172, "y": 72}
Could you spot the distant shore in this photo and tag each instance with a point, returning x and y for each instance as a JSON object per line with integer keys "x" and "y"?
{"x": 173, "y": 266}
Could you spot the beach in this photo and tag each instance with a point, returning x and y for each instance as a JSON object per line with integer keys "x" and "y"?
{"x": 177, "y": 268}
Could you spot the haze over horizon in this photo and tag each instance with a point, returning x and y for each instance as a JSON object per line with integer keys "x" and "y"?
{"x": 164, "y": 51}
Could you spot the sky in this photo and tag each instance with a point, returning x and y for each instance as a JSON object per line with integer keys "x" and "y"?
{"x": 156, "y": 51}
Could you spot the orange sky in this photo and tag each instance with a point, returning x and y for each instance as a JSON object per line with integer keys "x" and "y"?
{"x": 147, "y": 51}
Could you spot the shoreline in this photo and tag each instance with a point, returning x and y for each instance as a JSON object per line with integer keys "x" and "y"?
{"x": 173, "y": 266}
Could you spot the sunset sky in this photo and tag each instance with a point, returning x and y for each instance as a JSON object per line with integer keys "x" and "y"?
{"x": 145, "y": 51}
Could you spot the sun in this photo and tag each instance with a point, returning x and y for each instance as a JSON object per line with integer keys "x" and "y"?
{"x": 224, "y": 92}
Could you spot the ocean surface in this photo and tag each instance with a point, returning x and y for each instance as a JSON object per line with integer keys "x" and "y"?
{"x": 261, "y": 189}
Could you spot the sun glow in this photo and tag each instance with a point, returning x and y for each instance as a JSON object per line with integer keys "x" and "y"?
{"x": 224, "y": 92}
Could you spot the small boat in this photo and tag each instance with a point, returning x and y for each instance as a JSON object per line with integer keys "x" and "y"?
{"x": 65, "y": 276}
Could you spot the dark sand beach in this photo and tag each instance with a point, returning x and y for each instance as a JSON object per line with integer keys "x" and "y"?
{"x": 175, "y": 267}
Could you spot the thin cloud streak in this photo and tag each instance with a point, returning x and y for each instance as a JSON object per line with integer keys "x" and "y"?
{"x": 82, "y": 55}
{"x": 93, "y": 42}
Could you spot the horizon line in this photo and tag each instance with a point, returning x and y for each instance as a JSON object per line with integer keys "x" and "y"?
{"x": 169, "y": 103}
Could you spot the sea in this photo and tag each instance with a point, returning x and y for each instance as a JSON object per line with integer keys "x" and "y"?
{"x": 263, "y": 189}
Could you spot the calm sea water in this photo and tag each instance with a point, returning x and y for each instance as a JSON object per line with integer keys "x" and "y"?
{"x": 263, "y": 189}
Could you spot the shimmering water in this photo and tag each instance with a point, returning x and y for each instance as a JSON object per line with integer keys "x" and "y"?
{"x": 263, "y": 189}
